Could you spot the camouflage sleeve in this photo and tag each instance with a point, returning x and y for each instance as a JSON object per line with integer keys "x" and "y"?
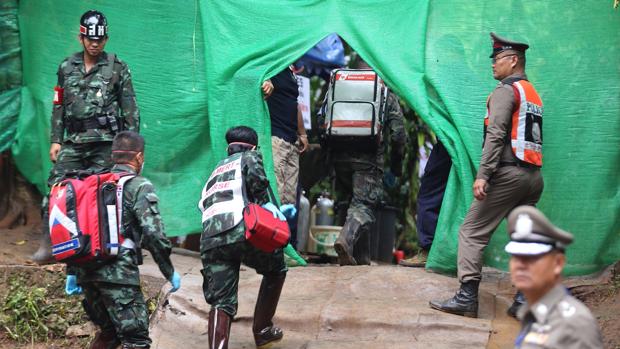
{"x": 255, "y": 178}
{"x": 146, "y": 211}
{"x": 57, "y": 125}
{"x": 394, "y": 121}
{"x": 130, "y": 114}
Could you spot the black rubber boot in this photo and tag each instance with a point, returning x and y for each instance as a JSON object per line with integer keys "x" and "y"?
{"x": 44, "y": 254}
{"x": 464, "y": 302}
{"x": 519, "y": 300}
{"x": 105, "y": 340}
{"x": 219, "y": 329}
{"x": 265, "y": 333}
{"x": 361, "y": 250}
{"x": 345, "y": 243}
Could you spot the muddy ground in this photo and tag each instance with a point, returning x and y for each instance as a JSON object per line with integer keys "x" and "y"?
{"x": 19, "y": 274}
{"x": 16, "y": 246}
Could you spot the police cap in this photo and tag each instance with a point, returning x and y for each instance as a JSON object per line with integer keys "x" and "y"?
{"x": 502, "y": 44}
{"x": 531, "y": 233}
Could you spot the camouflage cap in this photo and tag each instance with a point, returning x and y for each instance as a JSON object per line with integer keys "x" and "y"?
{"x": 531, "y": 233}
{"x": 502, "y": 44}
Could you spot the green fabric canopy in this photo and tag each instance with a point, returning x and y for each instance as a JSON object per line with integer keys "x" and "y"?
{"x": 197, "y": 66}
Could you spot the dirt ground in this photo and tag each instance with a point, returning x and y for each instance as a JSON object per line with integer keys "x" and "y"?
{"x": 16, "y": 246}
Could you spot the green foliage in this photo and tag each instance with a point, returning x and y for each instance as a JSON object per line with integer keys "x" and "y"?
{"x": 31, "y": 313}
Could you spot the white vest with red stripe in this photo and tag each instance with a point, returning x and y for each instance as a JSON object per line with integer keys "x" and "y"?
{"x": 222, "y": 200}
{"x": 525, "y": 135}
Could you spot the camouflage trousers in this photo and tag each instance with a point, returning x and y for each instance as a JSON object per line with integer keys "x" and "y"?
{"x": 364, "y": 183}
{"x": 221, "y": 271}
{"x": 72, "y": 157}
{"x": 118, "y": 309}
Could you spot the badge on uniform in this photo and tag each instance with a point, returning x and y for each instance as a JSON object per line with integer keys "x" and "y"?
{"x": 58, "y": 93}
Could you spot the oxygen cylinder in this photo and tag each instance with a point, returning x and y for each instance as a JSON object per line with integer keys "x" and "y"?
{"x": 325, "y": 210}
{"x": 303, "y": 222}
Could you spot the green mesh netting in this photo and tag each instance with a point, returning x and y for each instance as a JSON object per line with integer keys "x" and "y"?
{"x": 197, "y": 67}
{"x": 10, "y": 72}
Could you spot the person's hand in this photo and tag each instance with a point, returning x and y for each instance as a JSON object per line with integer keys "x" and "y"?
{"x": 71, "y": 286}
{"x": 273, "y": 209}
{"x": 267, "y": 88}
{"x": 175, "y": 280}
{"x": 54, "y": 149}
{"x": 480, "y": 189}
{"x": 288, "y": 210}
{"x": 303, "y": 143}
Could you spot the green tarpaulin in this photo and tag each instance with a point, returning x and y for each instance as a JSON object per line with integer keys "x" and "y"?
{"x": 10, "y": 72}
{"x": 197, "y": 66}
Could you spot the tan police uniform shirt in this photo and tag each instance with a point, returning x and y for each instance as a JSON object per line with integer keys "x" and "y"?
{"x": 558, "y": 320}
{"x": 495, "y": 149}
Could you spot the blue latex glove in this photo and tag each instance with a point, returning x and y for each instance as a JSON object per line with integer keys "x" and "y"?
{"x": 273, "y": 209}
{"x": 389, "y": 179}
{"x": 71, "y": 287}
{"x": 175, "y": 280}
{"x": 288, "y": 211}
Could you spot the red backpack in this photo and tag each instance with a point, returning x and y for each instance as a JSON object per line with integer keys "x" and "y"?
{"x": 85, "y": 218}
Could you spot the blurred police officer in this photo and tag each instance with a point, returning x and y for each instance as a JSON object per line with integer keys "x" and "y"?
{"x": 509, "y": 173}
{"x": 551, "y": 317}
{"x": 93, "y": 101}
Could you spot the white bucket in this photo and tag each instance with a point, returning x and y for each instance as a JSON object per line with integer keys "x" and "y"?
{"x": 322, "y": 238}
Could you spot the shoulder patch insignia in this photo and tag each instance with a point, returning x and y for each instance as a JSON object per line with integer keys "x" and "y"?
{"x": 566, "y": 309}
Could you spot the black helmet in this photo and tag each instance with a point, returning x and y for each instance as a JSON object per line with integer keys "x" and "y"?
{"x": 93, "y": 25}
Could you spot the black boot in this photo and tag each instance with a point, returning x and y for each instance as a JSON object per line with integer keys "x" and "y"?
{"x": 345, "y": 243}
{"x": 361, "y": 250}
{"x": 519, "y": 300}
{"x": 265, "y": 332}
{"x": 105, "y": 340}
{"x": 44, "y": 254}
{"x": 219, "y": 329}
{"x": 464, "y": 302}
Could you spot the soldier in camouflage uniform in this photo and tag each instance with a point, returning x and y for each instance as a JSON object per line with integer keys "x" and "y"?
{"x": 113, "y": 298}
{"x": 237, "y": 179}
{"x": 94, "y": 100}
{"x": 360, "y": 172}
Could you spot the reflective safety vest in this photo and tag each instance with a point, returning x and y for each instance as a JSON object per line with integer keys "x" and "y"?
{"x": 525, "y": 136}
{"x": 222, "y": 200}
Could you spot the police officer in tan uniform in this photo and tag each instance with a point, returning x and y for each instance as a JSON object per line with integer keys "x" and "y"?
{"x": 551, "y": 317}
{"x": 509, "y": 173}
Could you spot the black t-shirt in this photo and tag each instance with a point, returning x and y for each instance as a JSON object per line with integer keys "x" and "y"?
{"x": 283, "y": 106}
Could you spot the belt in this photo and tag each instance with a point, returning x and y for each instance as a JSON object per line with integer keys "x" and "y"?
{"x": 83, "y": 125}
{"x": 517, "y": 164}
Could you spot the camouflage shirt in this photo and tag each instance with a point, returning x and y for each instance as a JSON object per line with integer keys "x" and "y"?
{"x": 82, "y": 99}
{"x": 256, "y": 186}
{"x": 141, "y": 223}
